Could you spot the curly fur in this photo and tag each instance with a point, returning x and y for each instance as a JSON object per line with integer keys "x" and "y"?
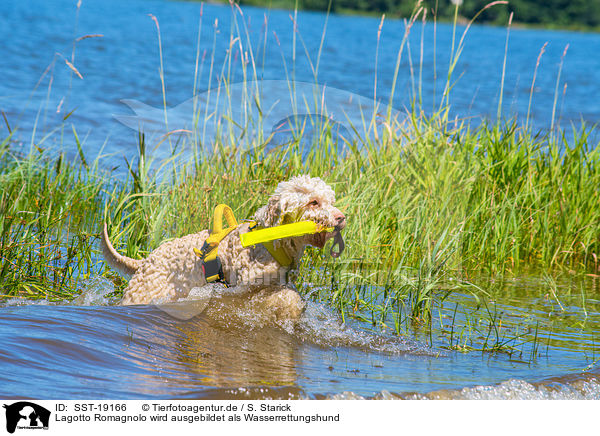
{"x": 172, "y": 270}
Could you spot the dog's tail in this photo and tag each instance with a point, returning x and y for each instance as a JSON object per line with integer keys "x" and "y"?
{"x": 125, "y": 265}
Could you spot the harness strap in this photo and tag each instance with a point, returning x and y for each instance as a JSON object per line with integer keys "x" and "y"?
{"x": 211, "y": 264}
{"x": 217, "y": 232}
{"x": 278, "y": 254}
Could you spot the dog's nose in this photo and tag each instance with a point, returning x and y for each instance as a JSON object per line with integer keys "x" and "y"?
{"x": 340, "y": 220}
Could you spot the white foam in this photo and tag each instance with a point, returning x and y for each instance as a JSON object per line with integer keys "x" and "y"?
{"x": 95, "y": 292}
{"x": 583, "y": 387}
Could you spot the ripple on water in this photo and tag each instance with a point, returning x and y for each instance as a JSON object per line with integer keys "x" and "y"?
{"x": 220, "y": 344}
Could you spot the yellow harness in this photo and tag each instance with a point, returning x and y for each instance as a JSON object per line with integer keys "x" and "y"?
{"x": 211, "y": 264}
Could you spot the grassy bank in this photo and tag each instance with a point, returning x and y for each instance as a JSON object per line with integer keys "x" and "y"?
{"x": 527, "y": 13}
{"x": 436, "y": 200}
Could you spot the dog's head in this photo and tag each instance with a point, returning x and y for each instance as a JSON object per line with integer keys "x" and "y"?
{"x": 304, "y": 198}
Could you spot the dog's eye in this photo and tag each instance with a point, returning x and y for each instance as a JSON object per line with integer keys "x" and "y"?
{"x": 313, "y": 203}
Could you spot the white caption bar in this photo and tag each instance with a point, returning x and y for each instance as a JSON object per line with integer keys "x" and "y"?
{"x": 295, "y": 417}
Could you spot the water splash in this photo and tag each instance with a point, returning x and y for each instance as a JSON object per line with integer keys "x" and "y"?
{"x": 320, "y": 326}
{"x": 577, "y": 386}
{"x": 235, "y": 308}
{"x": 96, "y": 292}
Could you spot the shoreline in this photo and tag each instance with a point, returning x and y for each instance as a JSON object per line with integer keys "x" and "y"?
{"x": 461, "y": 20}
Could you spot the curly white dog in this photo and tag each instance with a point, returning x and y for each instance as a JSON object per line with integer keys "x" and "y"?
{"x": 173, "y": 269}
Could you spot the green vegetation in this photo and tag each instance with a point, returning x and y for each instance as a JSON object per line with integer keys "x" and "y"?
{"x": 578, "y": 14}
{"x": 435, "y": 208}
{"x": 426, "y": 209}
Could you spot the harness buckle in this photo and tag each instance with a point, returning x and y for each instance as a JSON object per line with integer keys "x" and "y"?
{"x": 213, "y": 270}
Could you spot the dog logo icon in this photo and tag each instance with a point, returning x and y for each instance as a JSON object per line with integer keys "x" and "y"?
{"x": 26, "y": 415}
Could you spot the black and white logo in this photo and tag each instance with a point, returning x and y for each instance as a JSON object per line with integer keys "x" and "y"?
{"x": 26, "y": 415}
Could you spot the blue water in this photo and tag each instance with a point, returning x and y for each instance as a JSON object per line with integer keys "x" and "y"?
{"x": 92, "y": 349}
{"x": 124, "y": 64}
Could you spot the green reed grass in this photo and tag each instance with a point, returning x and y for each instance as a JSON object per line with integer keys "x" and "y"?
{"x": 431, "y": 206}
{"x": 49, "y": 211}
{"x": 428, "y": 202}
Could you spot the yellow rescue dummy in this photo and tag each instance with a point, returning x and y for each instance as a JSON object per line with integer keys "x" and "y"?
{"x": 213, "y": 269}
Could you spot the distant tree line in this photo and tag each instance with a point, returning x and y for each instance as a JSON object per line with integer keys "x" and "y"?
{"x": 554, "y": 13}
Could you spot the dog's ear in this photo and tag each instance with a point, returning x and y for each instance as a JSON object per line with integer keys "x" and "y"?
{"x": 267, "y": 216}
